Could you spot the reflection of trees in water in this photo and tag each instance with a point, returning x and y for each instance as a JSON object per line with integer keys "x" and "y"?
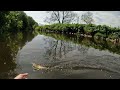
{"x": 7, "y": 63}
{"x": 9, "y": 47}
{"x": 58, "y": 49}
{"x": 83, "y": 49}
{"x": 87, "y": 42}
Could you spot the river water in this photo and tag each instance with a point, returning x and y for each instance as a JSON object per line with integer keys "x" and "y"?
{"x": 66, "y": 56}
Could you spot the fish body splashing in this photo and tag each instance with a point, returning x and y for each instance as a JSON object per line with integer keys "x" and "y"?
{"x": 38, "y": 66}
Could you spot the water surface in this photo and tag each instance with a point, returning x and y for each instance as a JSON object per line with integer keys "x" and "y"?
{"x": 67, "y": 56}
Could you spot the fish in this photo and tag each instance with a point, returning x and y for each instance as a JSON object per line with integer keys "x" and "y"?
{"x": 38, "y": 66}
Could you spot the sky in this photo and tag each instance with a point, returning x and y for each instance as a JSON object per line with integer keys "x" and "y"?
{"x": 111, "y": 18}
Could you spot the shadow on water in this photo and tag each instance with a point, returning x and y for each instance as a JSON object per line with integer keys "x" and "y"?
{"x": 10, "y": 44}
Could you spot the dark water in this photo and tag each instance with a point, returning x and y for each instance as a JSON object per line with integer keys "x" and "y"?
{"x": 67, "y": 56}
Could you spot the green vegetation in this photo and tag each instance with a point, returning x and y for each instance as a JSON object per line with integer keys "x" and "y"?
{"x": 88, "y": 30}
{"x": 15, "y": 21}
{"x": 16, "y": 28}
{"x": 96, "y": 31}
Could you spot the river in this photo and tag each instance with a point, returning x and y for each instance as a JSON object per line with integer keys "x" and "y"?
{"x": 67, "y": 56}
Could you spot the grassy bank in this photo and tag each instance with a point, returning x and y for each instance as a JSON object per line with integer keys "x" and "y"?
{"x": 87, "y": 30}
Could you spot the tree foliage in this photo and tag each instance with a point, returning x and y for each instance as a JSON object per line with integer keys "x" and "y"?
{"x": 16, "y": 21}
{"x": 102, "y": 31}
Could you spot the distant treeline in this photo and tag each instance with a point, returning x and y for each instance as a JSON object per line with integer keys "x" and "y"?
{"x": 16, "y": 21}
{"x": 92, "y": 30}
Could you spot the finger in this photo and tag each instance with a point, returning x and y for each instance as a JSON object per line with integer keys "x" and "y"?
{"x": 25, "y": 74}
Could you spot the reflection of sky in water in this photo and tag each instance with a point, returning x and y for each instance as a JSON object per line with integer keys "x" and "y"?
{"x": 75, "y": 56}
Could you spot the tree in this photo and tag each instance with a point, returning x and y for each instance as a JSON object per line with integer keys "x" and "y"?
{"x": 60, "y": 17}
{"x": 31, "y": 23}
{"x": 16, "y": 21}
{"x": 23, "y": 17}
{"x": 87, "y": 17}
{"x": 3, "y": 17}
{"x": 3, "y": 20}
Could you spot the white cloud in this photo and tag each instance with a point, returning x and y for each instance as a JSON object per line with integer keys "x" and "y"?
{"x": 100, "y": 17}
{"x": 38, "y": 16}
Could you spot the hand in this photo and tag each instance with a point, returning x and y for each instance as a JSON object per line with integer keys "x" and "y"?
{"x": 22, "y": 76}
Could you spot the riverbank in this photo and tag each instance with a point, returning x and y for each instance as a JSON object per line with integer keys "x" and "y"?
{"x": 87, "y": 30}
{"x": 114, "y": 41}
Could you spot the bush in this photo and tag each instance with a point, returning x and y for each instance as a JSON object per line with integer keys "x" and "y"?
{"x": 99, "y": 35}
{"x": 98, "y": 31}
{"x": 113, "y": 36}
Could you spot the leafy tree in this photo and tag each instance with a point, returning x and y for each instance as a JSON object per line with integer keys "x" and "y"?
{"x": 31, "y": 23}
{"x": 16, "y": 21}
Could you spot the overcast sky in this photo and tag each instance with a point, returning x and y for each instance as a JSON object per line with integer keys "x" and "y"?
{"x": 100, "y": 17}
